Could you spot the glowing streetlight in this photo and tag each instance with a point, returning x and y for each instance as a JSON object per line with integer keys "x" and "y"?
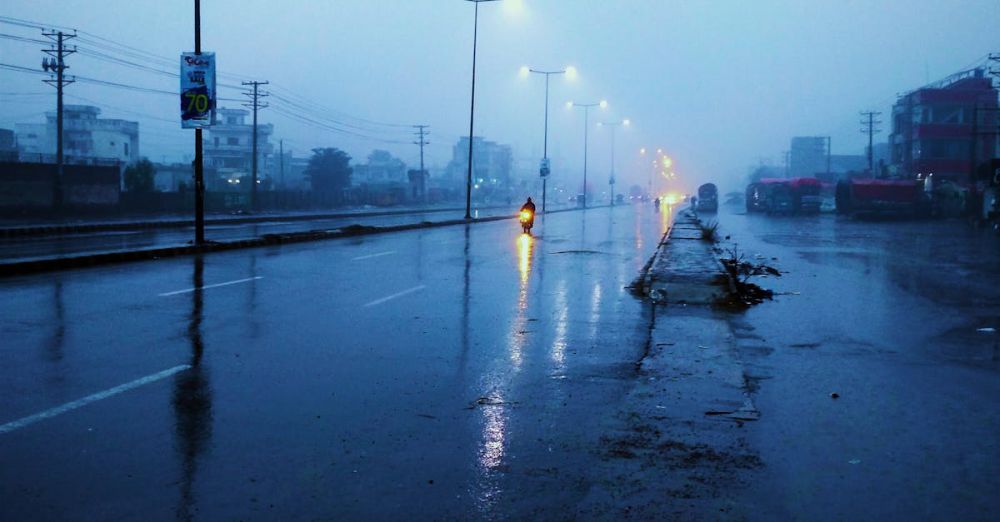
{"x": 544, "y": 170}
{"x": 571, "y": 72}
{"x": 613, "y": 125}
{"x": 586, "y": 136}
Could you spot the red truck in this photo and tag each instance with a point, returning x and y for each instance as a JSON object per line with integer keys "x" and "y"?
{"x": 871, "y": 197}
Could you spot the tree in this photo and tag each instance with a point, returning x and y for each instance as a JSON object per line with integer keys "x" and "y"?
{"x": 139, "y": 177}
{"x": 329, "y": 170}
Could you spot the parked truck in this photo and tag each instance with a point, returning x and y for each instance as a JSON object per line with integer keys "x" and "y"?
{"x": 882, "y": 197}
{"x": 708, "y": 198}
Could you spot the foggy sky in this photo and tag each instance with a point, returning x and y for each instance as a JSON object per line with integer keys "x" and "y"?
{"x": 719, "y": 85}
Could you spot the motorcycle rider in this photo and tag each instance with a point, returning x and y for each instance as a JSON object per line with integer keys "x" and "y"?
{"x": 529, "y": 205}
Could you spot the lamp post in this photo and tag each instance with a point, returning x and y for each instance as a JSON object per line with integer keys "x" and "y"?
{"x": 613, "y": 125}
{"x": 544, "y": 169}
{"x": 472, "y": 109}
{"x": 586, "y": 136}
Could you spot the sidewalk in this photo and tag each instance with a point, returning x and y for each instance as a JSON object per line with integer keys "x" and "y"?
{"x": 679, "y": 448}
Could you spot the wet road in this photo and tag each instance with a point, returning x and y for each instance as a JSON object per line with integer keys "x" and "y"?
{"x": 888, "y": 316}
{"x": 46, "y": 247}
{"x": 460, "y": 372}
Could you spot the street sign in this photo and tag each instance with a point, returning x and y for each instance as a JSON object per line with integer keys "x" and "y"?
{"x": 197, "y": 90}
{"x": 611, "y": 181}
{"x": 543, "y": 170}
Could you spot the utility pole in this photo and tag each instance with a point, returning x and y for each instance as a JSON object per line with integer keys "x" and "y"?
{"x": 829, "y": 152}
{"x": 870, "y": 130}
{"x": 281, "y": 164}
{"x": 255, "y": 104}
{"x": 58, "y": 66}
{"x": 422, "y": 133}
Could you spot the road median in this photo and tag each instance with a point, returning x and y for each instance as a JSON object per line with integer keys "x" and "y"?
{"x": 679, "y": 449}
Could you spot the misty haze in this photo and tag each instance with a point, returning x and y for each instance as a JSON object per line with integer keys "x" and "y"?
{"x": 499, "y": 259}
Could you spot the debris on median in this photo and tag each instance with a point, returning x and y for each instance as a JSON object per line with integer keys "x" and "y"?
{"x": 739, "y": 271}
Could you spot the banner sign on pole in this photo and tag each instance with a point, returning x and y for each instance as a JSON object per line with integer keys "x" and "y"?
{"x": 197, "y": 90}
{"x": 544, "y": 168}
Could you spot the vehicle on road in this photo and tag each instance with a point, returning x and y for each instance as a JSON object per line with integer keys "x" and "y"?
{"x": 771, "y": 195}
{"x": 708, "y": 198}
{"x": 806, "y": 194}
{"x": 882, "y": 197}
{"x": 784, "y": 196}
{"x": 527, "y": 219}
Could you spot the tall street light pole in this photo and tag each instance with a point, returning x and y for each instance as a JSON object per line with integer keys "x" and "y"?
{"x": 586, "y": 137}
{"x": 472, "y": 110}
{"x": 544, "y": 170}
{"x": 613, "y": 125}
{"x": 199, "y": 173}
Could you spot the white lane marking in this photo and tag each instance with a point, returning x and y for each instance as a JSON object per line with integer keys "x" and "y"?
{"x": 227, "y": 283}
{"x": 371, "y": 256}
{"x": 393, "y": 296}
{"x": 79, "y": 403}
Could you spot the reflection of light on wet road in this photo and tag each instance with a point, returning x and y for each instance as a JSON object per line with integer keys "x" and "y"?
{"x": 665, "y": 212}
{"x": 561, "y": 326}
{"x": 525, "y": 249}
{"x": 494, "y": 435}
{"x": 595, "y": 310}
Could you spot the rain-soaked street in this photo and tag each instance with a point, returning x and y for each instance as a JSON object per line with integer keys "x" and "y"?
{"x": 438, "y": 373}
{"x": 900, "y": 320}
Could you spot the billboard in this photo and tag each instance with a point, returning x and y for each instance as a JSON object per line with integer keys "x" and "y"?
{"x": 197, "y": 90}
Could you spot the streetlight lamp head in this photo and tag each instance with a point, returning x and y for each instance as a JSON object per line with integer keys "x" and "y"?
{"x": 524, "y": 71}
{"x": 627, "y": 122}
{"x": 642, "y": 151}
{"x": 604, "y": 104}
{"x": 569, "y": 105}
{"x": 571, "y": 72}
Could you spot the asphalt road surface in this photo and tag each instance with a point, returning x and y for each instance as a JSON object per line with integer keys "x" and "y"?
{"x": 32, "y": 248}
{"x": 458, "y": 372}
{"x": 900, "y": 320}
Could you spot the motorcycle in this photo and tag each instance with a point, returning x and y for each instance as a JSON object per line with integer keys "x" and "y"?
{"x": 527, "y": 219}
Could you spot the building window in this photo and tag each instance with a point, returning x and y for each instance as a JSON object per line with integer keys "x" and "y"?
{"x": 126, "y": 148}
{"x": 216, "y": 141}
{"x": 232, "y": 141}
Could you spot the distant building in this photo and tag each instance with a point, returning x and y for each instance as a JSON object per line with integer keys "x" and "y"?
{"x": 808, "y": 156}
{"x": 8, "y": 145}
{"x": 932, "y": 128}
{"x": 382, "y": 169}
{"x": 229, "y": 145}
{"x": 85, "y": 137}
{"x": 844, "y": 163}
{"x": 492, "y": 165}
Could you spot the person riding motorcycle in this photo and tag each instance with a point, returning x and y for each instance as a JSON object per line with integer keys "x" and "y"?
{"x": 527, "y": 216}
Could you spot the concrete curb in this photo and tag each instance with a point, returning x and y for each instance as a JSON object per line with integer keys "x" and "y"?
{"x": 65, "y": 263}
